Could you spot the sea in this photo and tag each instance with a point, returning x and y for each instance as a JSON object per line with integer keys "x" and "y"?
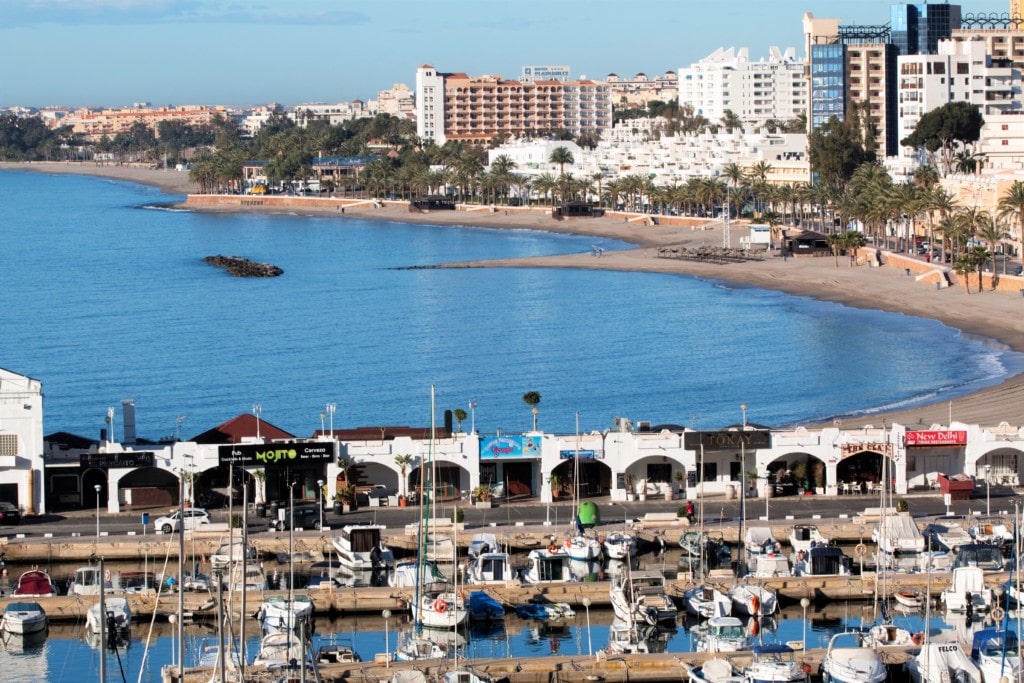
{"x": 105, "y": 297}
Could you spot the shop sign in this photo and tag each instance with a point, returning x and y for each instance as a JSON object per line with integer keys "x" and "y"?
{"x": 510, "y": 447}
{"x": 276, "y": 454}
{"x": 581, "y": 454}
{"x": 727, "y": 440}
{"x": 938, "y": 437}
{"x": 114, "y": 460}
{"x": 882, "y": 447}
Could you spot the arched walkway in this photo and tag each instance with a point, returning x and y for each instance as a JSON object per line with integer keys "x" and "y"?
{"x": 212, "y": 489}
{"x": 595, "y": 478}
{"x": 793, "y": 473}
{"x": 451, "y": 480}
{"x": 148, "y": 487}
{"x": 1001, "y": 467}
{"x": 861, "y": 472}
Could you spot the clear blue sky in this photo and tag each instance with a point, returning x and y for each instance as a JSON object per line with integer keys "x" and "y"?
{"x": 115, "y": 52}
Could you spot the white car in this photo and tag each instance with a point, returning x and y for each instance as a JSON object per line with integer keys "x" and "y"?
{"x": 194, "y": 518}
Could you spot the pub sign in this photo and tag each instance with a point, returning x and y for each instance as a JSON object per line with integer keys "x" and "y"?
{"x": 276, "y": 454}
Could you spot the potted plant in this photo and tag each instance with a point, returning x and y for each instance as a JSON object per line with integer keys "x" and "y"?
{"x": 260, "y": 476}
{"x": 818, "y": 476}
{"x": 338, "y": 503}
{"x": 630, "y": 486}
{"x": 348, "y": 497}
{"x": 403, "y": 460}
{"x": 458, "y": 515}
{"x": 558, "y": 484}
{"x": 800, "y": 475}
{"x": 680, "y": 477}
{"x": 460, "y": 415}
{"x": 532, "y": 399}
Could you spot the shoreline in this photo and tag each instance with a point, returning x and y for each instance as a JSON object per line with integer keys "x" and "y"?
{"x": 988, "y": 315}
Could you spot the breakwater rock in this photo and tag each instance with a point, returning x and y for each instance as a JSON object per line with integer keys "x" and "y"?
{"x": 242, "y": 267}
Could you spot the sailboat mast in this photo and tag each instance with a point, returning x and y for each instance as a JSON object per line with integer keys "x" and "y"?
{"x": 245, "y": 571}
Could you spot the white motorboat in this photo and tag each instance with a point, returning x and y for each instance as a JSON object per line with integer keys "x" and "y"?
{"x": 806, "y": 536}
{"x": 253, "y": 580}
{"x": 619, "y": 545}
{"x": 439, "y": 548}
{"x": 901, "y": 545}
{"x": 885, "y": 635}
{"x": 991, "y": 530}
{"x": 910, "y": 598}
{"x": 118, "y": 619}
{"x": 279, "y": 650}
{"x": 770, "y": 566}
{"x": 88, "y": 580}
{"x": 582, "y": 548}
{"x": 640, "y": 597}
{"x": 406, "y": 574}
{"x": 233, "y": 552}
{"x": 481, "y": 544}
{"x": 707, "y": 602}
{"x": 942, "y": 663}
{"x": 821, "y": 561}
{"x": 439, "y": 606}
{"x": 35, "y": 583}
{"x": 967, "y": 591}
{"x": 849, "y": 660}
{"x": 760, "y": 541}
{"x": 489, "y": 568}
{"x": 715, "y": 671}
{"x": 416, "y": 648}
{"x": 360, "y": 547}
{"x": 723, "y": 634}
{"x": 753, "y": 600}
{"x": 985, "y": 556}
{"x": 996, "y": 653}
{"x": 775, "y": 663}
{"x": 947, "y": 533}
{"x": 547, "y": 565}
{"x": 21, "y": 618}
{"x": 278, "y": 613}
{"x": 627, "y": 639}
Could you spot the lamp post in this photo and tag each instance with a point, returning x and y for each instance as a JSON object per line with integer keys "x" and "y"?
{"x": 387, "y": 647}
{"x": 472, "y": 416}
{"x": 98, "y": 488}
{"x": 320, "y": 495}
{"x": 805, "y": 603}
{"x": 331, "y": 407}
{"x": 767, "y": 485}
{"x": 322, "y": 416}
{"x": 547, "y": 506}
{"x": 590, "y": 644}
{"x": 741, "y": 551}
{"x": 625, "y": 516}
{"x": 988, "y": 489}
{"x": 256, "y": 410}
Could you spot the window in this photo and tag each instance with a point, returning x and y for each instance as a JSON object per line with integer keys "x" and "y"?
{"x": 710, "y": 471}
{"x": 659, "y": 472}
{"x": 8, "y": 444}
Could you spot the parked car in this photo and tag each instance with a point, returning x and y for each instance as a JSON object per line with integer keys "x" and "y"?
{"x": 194, "y": 518}
{"x": 9, "y": 513}
{"x": 304, "y": 517}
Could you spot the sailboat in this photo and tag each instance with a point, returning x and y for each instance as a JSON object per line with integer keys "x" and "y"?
{"x": 578, "y": 545}
{"x": 292, "y": 613}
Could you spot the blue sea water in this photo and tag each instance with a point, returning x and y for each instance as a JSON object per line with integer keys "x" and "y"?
{"x": 105, "y": 296}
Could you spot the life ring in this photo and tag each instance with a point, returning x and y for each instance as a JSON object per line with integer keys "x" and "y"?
{"x": 568, "y": 542}
{"x": 106, "y": 575}
{"x": 861, "y": 550}
{"x": 917, "y": 639}
{"x": 800, "y": 555}
{"x": 755, "y": 606}
{"x": 552, "y": 548}
{"x": 998, "y": 614}
{"x": 440, "y": 606}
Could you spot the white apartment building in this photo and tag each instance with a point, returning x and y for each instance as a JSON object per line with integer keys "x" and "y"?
{"x": 399, "y": 101}
{"x": 726, "y": 80}
{"x": 429, "y": 104}
{"x": 962, "y": 71}
{"x": 531, "y": 156}
{"x": 334, "y": 114}
{"x": 1002, "y": 141}
{"x": 21, "y": 442}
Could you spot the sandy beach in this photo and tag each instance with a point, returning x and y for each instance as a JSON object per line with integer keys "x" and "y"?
{"x": 997, "y": 316}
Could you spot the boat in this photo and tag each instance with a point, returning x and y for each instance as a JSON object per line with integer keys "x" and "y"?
{"x": 483, "y": 607}
{"x": 406, "y": 573}
{"x": 117, "y": 620}
{"x": 438, "y": 548}
{"x": 707, "y": 601}
{"x": 582, "y": 548}
{"x": 88, "y": 580}
{"x": 232, "y": 552}
{"x": 489, "y": 568}
{"x": 481, "y": 544}
{"x": 361, "y": 547}
{"x": 991, "y": 529}
{"x": 279, "y": 650}
{"x": 775, "y": 663}
{"x": 806, "y": 536}
{"x": 137, "y": 582}
{"x": 910, "y": 598}
{"x": 337, "y": 653}
{"x": 760, "y": 541}
{"x": 849, "y": 660}
{"x": 21, "y": 618}
{"x": 723, "y": 634}
{"x": 967, "y": 592}
{"x": 640, "y": 597}
{"x": 413, "y": 648}
{"x": 439, "y": 606}
{"x": 547, "y": 565}
{"x": 770, "y": 566}
{"x": 34, "y": 583}
{"x": 753, "y": 600}
{"x": 942, "y": 663}
{"x": 464, "y": 676}
{"x": 195, "y": 582}
{"x": 996, "y": 653}
{"x": 947, "y": 533}
{"x": 985, "y": 556}
{"x": 279, "y": 613}
{"x": 900, "y": 543}
{"x": 250, "y": 579}
{"x": 619, "y": 545}
{"x": 886, "y": 635}
{"x": 821, "y": 561}
{"x": 715, "y": 671}
{"x": 541, "y": 610}
{"x": 627, "y": 638}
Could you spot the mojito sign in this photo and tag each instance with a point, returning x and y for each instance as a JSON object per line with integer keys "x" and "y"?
{"x": 273, "y": 454}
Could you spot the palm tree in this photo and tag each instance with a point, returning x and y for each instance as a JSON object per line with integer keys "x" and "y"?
{"x": 403, "y": 460}
{"x": 532, "y": 399}
{"x": 561, "y": 156}
{"x": 460, "y": 415}
{"x": 964, "y": 266}
{"x": 1012, "y": 203}
{"x": 993, "y": 233}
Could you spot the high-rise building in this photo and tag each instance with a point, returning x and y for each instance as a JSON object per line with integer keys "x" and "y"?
{"x": 455, "y": 106}
{"x": 1017, "y": 10}
{"x": 917, "y": 28}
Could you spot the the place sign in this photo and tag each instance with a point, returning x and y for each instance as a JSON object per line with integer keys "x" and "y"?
{"x": 938, "y": 437}
{"x": 581, "y": 454}
{"x": 727, "y": 440}
{"x": 276, "y": 454}
{"x": 115, "y": 460}
{"x": 510, "y": 447}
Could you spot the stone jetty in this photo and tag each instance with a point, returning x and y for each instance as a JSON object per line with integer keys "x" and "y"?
{"x": 242, "y": 267}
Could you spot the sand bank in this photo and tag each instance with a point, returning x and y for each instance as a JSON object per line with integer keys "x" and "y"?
{"x": 993, "y": 315}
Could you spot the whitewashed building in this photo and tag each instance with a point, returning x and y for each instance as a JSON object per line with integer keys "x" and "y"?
{"x": 21, "y": 442}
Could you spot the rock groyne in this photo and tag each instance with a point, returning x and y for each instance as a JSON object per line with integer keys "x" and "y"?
{"x": 241, "y": 267}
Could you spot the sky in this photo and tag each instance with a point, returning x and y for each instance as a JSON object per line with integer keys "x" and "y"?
{"x": 72, "y": 53}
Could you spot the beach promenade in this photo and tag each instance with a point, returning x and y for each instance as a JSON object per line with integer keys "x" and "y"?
{"x": 998, "y": 316}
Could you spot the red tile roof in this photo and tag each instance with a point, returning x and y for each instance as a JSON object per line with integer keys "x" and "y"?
{"x": 237, "y": 428}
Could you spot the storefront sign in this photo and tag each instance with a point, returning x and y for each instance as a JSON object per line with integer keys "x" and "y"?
{"x": 941, "y": 437}
{"x": 113, "y": 460}
{"x": 588, "y": 454}
{"x": 510, "y": 447}
{"x": 882, "y": 447}
{"x": 727, "y": 440}
{"x": 276, "y": 454}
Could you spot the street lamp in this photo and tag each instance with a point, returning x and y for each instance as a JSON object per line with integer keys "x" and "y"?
{"x": 322, "y": 416}
{"x": 625, "y": 515}
{"x": 97, "y": 487}
{"x": 320, "y": 495}
{"x": 590, "y": 644}
{"x": 256, "y": 410}
{"x": 472, "y": 416}
{"x": 331, "y": 407}
{"x": 387, "y": 648}
{"x": 805, "y": 603}
{"x": 988, "y": 489}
